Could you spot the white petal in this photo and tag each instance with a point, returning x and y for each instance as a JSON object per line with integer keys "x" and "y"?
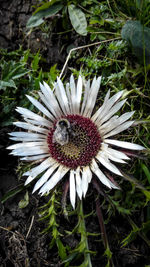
{"x": 100, "y": 174}
{"x": 48, "y": 104}
{"x": 78, "y": 94}
{"x": 38, "y": 169}
{"x": 78, "y": 182}
{"x": 86, "y": 179}
{"x": 45, "y": 177}
{"x": 89, "y": 173}
{"x": 30, "y": 151}
{"x": 28, "y": 144}
{"x": 40, "y": 107}
{"x": 114, "y": 122}
{"x": 57, "y": 176}
{"x": 92, "y": 97}
{"x": 30, "y": 127}
{"x": 61, "y": 96}
{"x": 108, "y": 103}
{"x": 69, "y": 97}
{"x": 31, "y": 115}
{"x": 39, "y": 123}
{"x": 111, "y": 112}
{"x": 119, "y": 129}
{"x": 124, "y": 144}
{"x": 25, "y": 136}
{"x": 86, "y": 92}
{"x": 117, "y": 154}
{"x": 84, "y": 182}
{"x": 50, "y": 97}
{"x": 72, "y": 188}
{"x": 111, "y": 157}
{"x": 107, "y": 164}
{"x": 112, "y": 154}
{"x": 72, "y": 93}
{"x": 37, "y": 157}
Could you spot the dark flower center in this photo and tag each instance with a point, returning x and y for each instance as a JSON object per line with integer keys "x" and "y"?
{"x": 82, "y": 141}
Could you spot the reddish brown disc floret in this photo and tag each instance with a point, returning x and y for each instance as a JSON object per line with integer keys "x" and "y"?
{"x": 83, "y": 144}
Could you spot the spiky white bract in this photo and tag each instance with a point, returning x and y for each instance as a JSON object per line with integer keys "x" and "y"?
{"x": 74, "y": 100}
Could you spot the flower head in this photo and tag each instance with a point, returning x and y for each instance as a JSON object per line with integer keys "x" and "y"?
{"x": 69, "y": 138}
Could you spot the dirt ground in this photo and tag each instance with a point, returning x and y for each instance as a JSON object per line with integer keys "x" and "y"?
{"x": 21, "y": 241}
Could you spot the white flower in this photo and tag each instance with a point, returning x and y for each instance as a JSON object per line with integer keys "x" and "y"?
{"x": 68, "y": 138}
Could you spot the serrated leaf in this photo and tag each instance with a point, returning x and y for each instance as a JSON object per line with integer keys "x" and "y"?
{"x": 38, "y": 18}
{"x": 138, "y": 36}
{"x": 78, "y": 19}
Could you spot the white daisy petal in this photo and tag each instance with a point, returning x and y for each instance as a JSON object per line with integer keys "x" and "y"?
{"x": 31, "y": 115}
{"x": 50, "y": 97}
{"x": 45, "y": 177}
{"x": 102, "y": 158}
{"x": 40, "y": 107}
{"x": 109, "y": 125}
{"x": 114, "y": 122}
{"x": 78, "y": 94}
{"x": 61, "y": 96}
{"x": 72, "y": 93}
{"x": 69, "y": 97}
{"x": 124, "y": 144}
{"x": 72, "y": 188}
{"x": 84, "y": 182}
{"x": 26, "y": 136}
{"x": 55, "y": 178}
{"x": 39, "y": 123}
{"x": 89, "y": 173}
{"x": 30, "y": 151}
{"x": 38, "y": 169}
{"x": 92, "y": 97}
{"x": 37, "y": 157}
{"x": 119, "y": 129}
{"x": 78, "y": 182}
{"x": 104, "y": 180}
{"x": 30, "y": 127}
{"x": 47, "y": 104}
{"x": 111, "y": 157}
{"x": 111, "y": 112}
{"x": 86, "y": 92}
{"x": 117, "y": 154}
{"x": 86, "y": 179}
{"x": 28, "y": 144}
{"x": 108, "y": 103}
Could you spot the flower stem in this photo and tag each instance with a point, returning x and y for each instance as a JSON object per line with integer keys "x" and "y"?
{"x": 84, "y": 240}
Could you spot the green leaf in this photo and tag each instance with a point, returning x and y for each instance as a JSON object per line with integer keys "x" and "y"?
{"x": 61, "y": 249}
{"x": 146, "y": 171}
{"x": 24, "y": 202}
{"x": 133, "y": 234}
{"x": 78, "y": 20}
{"x": 13, "y": 70}
{"x": 35, "y": 61}
{"x": 46, "y": 5}
{"x": 38, "y": 18}
{"x": 12, "y": 193}
{"x": 138, "y": 37}
{"x": 4, "y": 84}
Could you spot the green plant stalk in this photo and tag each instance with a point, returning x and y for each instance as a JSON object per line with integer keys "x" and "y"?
{"x": 87, "y": 258}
